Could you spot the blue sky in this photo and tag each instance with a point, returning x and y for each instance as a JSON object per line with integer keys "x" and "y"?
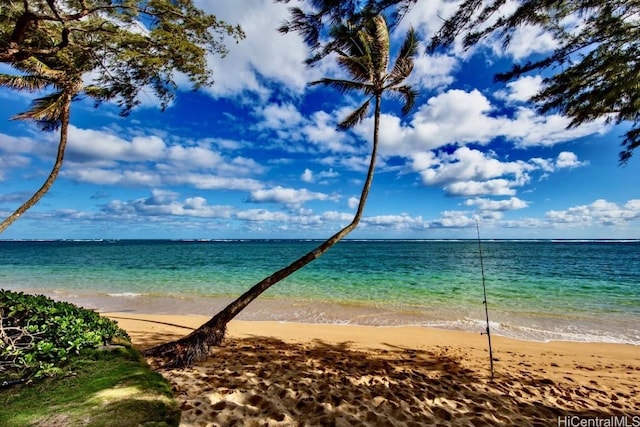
{"x": 257, "y": 154}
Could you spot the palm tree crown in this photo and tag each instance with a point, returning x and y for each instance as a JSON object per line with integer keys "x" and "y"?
{"x": 364, "y": 55}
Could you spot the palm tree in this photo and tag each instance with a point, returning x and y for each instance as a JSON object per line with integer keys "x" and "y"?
{"x": 365, "y": 56}
{"x": 50, "y": 112}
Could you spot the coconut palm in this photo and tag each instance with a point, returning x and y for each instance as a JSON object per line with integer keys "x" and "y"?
{"x": 50, "y": 112}
{"x": 364, "y": 55}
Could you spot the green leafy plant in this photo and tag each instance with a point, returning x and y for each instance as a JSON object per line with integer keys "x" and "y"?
{"x": 38, "y": 335}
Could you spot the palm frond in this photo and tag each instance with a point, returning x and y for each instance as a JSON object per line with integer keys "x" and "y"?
{"x": 355, "y": 117}
{"x": 356, "y": 66}
{"x": 47, "y": 110}
{"x": 409, "y": 47}
{"x": 408, "y": 94}
{"x": 343, "y": 86}
{"x": 365, "y": 56}
{"x": 29, "y": 83}
{"x": 403, "y": 65}
{"x": 379, "y": 46}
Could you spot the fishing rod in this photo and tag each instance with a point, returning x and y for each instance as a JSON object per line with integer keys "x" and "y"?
{"x": 486, "y": 308}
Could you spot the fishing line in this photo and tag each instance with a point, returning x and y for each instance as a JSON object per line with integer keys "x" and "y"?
{"x": 486, "y": 308}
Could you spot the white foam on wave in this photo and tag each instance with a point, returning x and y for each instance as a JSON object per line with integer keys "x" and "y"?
{"x": 124, "y": 294}
{"x": 539, "y": 334}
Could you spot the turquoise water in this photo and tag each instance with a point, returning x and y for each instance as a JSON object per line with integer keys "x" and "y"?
{"x": 539, "y": 290}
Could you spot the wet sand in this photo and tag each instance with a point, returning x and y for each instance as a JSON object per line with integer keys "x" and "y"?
{"x": 290, "y": 374}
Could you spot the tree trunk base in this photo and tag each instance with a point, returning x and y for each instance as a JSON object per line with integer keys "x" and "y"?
{"x": 193, "y": 348}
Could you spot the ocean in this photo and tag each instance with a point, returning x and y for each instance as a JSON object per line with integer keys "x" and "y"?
{"x": 536, "y": 289}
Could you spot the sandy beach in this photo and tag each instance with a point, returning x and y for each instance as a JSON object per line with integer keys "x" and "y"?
{"x": 293, "y": 374}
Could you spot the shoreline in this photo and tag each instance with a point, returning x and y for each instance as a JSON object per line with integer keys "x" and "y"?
{"x": 286, "y": 372}
{"x": 527, "y": 326}
{"x": 361, "y": 336}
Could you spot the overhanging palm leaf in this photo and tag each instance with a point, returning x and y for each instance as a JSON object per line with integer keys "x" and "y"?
{"x": 355, "y": 117}
{"x": 46, "y": 111}
{"x": 23, "y": 83}
{"x": 49, "y": 112}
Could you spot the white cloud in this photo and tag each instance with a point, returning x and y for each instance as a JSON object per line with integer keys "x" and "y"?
{"x": 264, "y": 55}
{"x": 263, "y": 215}
{"x": 433, "y": 71}
{"x": 511, "y": 204}
{"x": 453, "y": 219}
{"x": 113, "y": 177}
{"x": 493, "y": 187}
{"x": 526, "y": 41}
{"x": 15, "y": 144}
{"x": 466, "y": 164}
{"x": 307, "y": 176}
{"x": 279, "y": 116}
{"x": 287, "y": 196}
{"x": 289, "y": 125}
{"x": 522, "y": 89}
{"x": 213, "y": 182}
{"x": 193, "y": 157}
{"x": 321, "y": 131}
{"x": 8, "y": 162}
{"x": 91, "y": 144}
{"x": 353, "y": 202}
{"x": 457, "y": 117}
{"x": 567, "y": 159}
{"x": 601, "y": 212}
{"x": 395, "y": 222}
{"x": 162, "y": 203}
{"x": 426, "y": 18}
{"x": 100, "y": 157}
{"x": 468, "y": 172}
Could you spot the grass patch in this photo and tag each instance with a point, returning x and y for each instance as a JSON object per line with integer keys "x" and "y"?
{"x": 105, "y": 389}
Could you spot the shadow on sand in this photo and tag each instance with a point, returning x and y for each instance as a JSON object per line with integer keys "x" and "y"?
{"x": 261, "y": 381}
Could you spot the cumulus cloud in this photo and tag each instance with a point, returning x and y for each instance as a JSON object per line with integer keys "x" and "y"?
{"x": 103, "y": 158}
{"x": 433, "y": 71}
{"x": 521, "y": 90}
{"x": 91, "y": 144}
{"x": 280, "y": 117}
{"x": 318, "y": 130}
{"x": 601, "y": 212}
{"x": 401, "y": 222}
{"x": 204, "y": 181}
{"x": 162, "y": 203}
{"x": 8, "y": 162}
{"x": 263, "y": 56}
{"x": 511, "y": 204}
{"x": 453, "y": 219}
{"x": 526, "y": 41}
{"x": 353, "y": 202}
{"x": 567, "y": 159}
{"x": 307, "y": 176}
{"x": 469, "y": 172}
{"x": 287, "y": 196}
{"x": 458, "y": 117}
{"x": 494, "y": 187}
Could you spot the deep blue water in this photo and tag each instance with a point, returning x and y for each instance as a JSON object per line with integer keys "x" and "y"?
{"x": 578, "y": 290}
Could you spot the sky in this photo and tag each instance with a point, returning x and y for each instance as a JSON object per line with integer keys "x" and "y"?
{"x": 257, "y": 154}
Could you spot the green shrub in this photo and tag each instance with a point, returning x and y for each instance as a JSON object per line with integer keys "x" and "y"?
{"x": 38, "y": 334}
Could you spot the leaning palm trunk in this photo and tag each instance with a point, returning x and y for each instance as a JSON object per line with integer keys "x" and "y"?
{"x": 64, "y": 128}
{"x": 196, "y": 346}
{"x": 365, "y": 57}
